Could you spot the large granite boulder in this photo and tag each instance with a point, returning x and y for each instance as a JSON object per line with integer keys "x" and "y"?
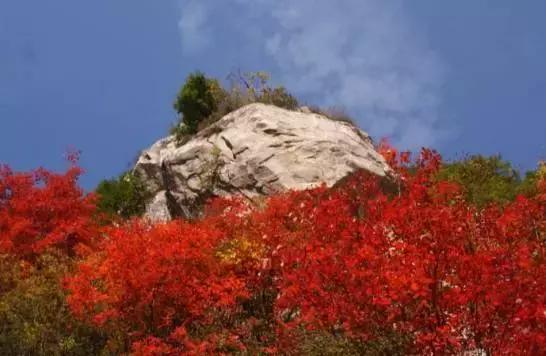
{"x": 254, "y": 151}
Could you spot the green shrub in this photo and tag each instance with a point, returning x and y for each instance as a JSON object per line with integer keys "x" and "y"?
{"x": 34, "y": 316}
{"x": 197, "y": 99}
{"x": 324, "y": 343}
{"x": 484, "y": 179}
{"x": 125, "y": 196}
{"x": 529, "y": 185}
{"x": 182, "y": 133}
{"x": 335, "y": 113}
{"x": 253, "y": 87}
{"x": 279, "y": 97}
{"x": 202, "y": 101}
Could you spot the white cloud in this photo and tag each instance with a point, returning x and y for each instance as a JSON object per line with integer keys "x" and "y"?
{"x": 195, "y": 35}
{"x": 364, "y": 55}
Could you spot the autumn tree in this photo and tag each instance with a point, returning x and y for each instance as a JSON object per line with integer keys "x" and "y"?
{"x": 160, "y": 285}
{"x": 42, "y": 209}
{"x": 44, "y": 217}
{"x": 419, "y": 271}
{"x": 365, "y": 267}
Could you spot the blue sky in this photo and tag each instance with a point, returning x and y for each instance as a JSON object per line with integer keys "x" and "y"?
{"x": 100, "y": 76}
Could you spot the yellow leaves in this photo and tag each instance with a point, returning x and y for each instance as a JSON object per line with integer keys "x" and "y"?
{"x": 542, "y": 170}
{"x": 240, "y": 249}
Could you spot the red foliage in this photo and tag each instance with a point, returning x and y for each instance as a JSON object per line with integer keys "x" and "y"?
{"x": 366, "y": 259}
{"x": 156, "y": 280}
{"x": 42, "y": 209}
{"x": 417, "y": 261}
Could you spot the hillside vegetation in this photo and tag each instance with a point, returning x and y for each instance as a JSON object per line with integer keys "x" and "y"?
{"x": 443, "y": 258}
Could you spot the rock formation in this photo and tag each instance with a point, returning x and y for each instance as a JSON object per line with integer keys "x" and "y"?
{"x": 256, "y": 150}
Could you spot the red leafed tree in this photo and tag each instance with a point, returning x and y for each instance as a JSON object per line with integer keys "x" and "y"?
{"x": 374, "y": 260}
{"x": 42, "y": 209}
{"x": 157, "y": 284}
{"x": 418, "y": 262}
{"x": 403, "y": 261}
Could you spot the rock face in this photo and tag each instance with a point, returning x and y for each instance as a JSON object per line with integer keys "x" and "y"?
{"x": 256, "y": 150}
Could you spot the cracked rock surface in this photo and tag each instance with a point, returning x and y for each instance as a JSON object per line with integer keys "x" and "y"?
{"x": 254, "y": 151}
